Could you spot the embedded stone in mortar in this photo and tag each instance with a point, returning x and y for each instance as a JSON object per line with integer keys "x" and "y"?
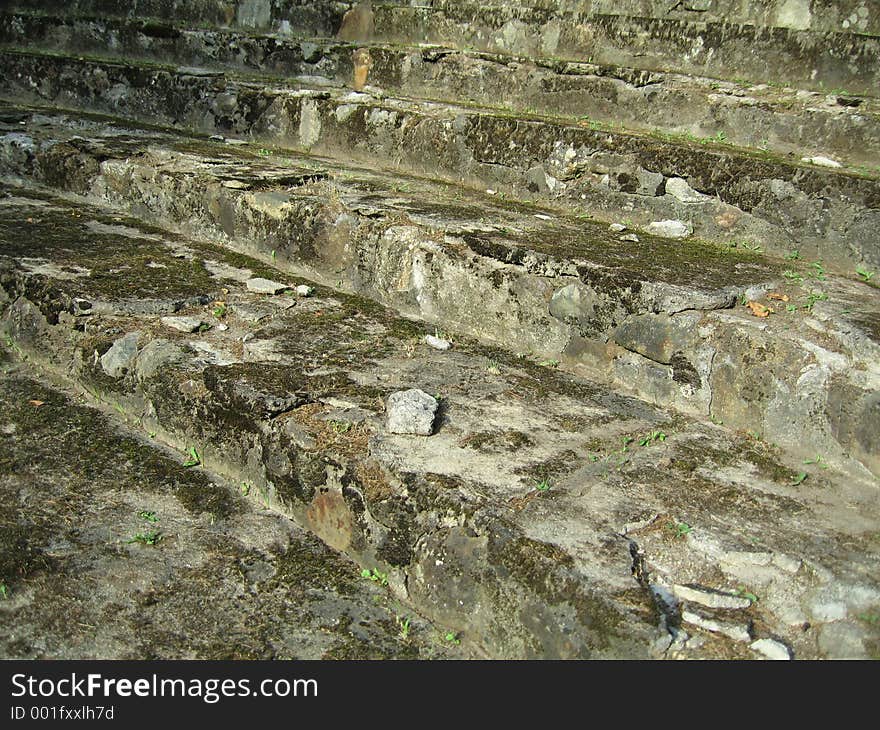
{"x": 411, "y": 412}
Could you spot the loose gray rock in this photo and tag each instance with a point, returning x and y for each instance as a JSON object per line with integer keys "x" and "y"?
{"x": 438, "y": 343}
{"x": 617, "y": 228}
{"x": 771, "y": 649}
{"x": 670, "y": 229}
{"x": 304, "y": 291}
{"x": 264, "y": 286}
{"x": 680, "y": 190}
{"x": 117, "y": 360}
{"x": 185, "y": 324}
{"x": 630, "y": 238}
{"x": 709, "y": 599}
{"x": 411, "y": 412}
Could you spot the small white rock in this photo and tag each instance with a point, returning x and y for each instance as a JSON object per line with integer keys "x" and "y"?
{"x": 630, "y": 237}
{"x": 264, "y": 286}
{"x": 771, "y": 649}
{"x": 541, "y": 216}
{"x": 438, "y": 343}
{"x": 821, "y": 161}
{"x": 670, "y": 229}
{"x": 304, "y": 291}
{"x": 617, "y": 228}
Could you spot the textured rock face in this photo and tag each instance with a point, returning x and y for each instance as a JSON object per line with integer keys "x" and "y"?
{"x": 640, "y": 283}
{"x": 411, "y": 412}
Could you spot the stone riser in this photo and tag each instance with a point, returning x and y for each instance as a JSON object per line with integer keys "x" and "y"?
{"x": 822, "y": 61}
{"x": 823, "y": 214}
{"x": 803, "y": 124}
{"x": 658, "y": 330}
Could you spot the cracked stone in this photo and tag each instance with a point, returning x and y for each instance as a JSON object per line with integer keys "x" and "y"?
{"x": 185, "y": 324}
{"x": 771, "y": 649}
{"x": 411, "y": 412}
{"x": 737, "y": 632}
{"x": 117, "y": 360}
{"x": 681, "y": 191}
{"x": 710, "y": 599}
{"x": 264, "y": 286}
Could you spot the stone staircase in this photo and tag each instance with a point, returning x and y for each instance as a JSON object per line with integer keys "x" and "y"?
{"x": 649, "y": 236}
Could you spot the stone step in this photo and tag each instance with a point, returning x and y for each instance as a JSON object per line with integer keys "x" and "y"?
{"x": 783, "y": 348}
{"x": 838, "y": 53}
{"x": 544, "y": 515}
{"x": 111, "y": 549}
{"x": 726, "y": 194}
{"x": 770, "y": 118}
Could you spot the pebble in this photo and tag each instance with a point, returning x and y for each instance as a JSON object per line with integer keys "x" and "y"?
{"x": 411, "y": 412}
{"x": 264, "y": 286}
{"x": 630, "y": 237}
{"x": 185, "y": 324}
{"x": 710, "y": 599}
{"x": 438, "y": 343}
{"x": 771, "y": 649}
{"x": 617, "y": 228}
{"x": 304, "y": 290}
{"x": 670, "y": 229}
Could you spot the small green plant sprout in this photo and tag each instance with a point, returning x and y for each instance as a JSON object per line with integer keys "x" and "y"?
{"x": 544, "y": 485}
{"x": 273, "y": 256}
{"x": 493, "y": 367}
{"x": 869, "y": 618}
{"x": 864, "y": 273}
{"x": 791, "y": 307}
{"x": 151, "y": 434}
{"x": 793, "y": 255}
{"x": 793, "y": 276}
{"x": 340, "y": 427}
{"x": 376, "y": 576}
{"x": 118, "y": 406}
{"x": 403, "y": 626}
{"x": 452, "y": 638}
{"x": 652, "y": 437}
{"x": 148, "y": 515}
{"x": 680, "y": 528}
{"x": 813, "y": 298}
{"x": 265, "y": 152}
{"x": 752, "y": 246}
{"x": 754, "y": 435}
{"x": 746, "y": 594}
{"x": 154, "y": 537}
{"x": 549, "y": 363}
{"x": 818, "y": 461}
{"x": 818, "y": 272}
{"x": 219, "y": 310}
{"x": 799, "y": 479}
{"x": 624, "y": 446}
{"x": 194, "y": 458}
{"x": 4, "y": 591}
{"x": 245, "y": 488}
